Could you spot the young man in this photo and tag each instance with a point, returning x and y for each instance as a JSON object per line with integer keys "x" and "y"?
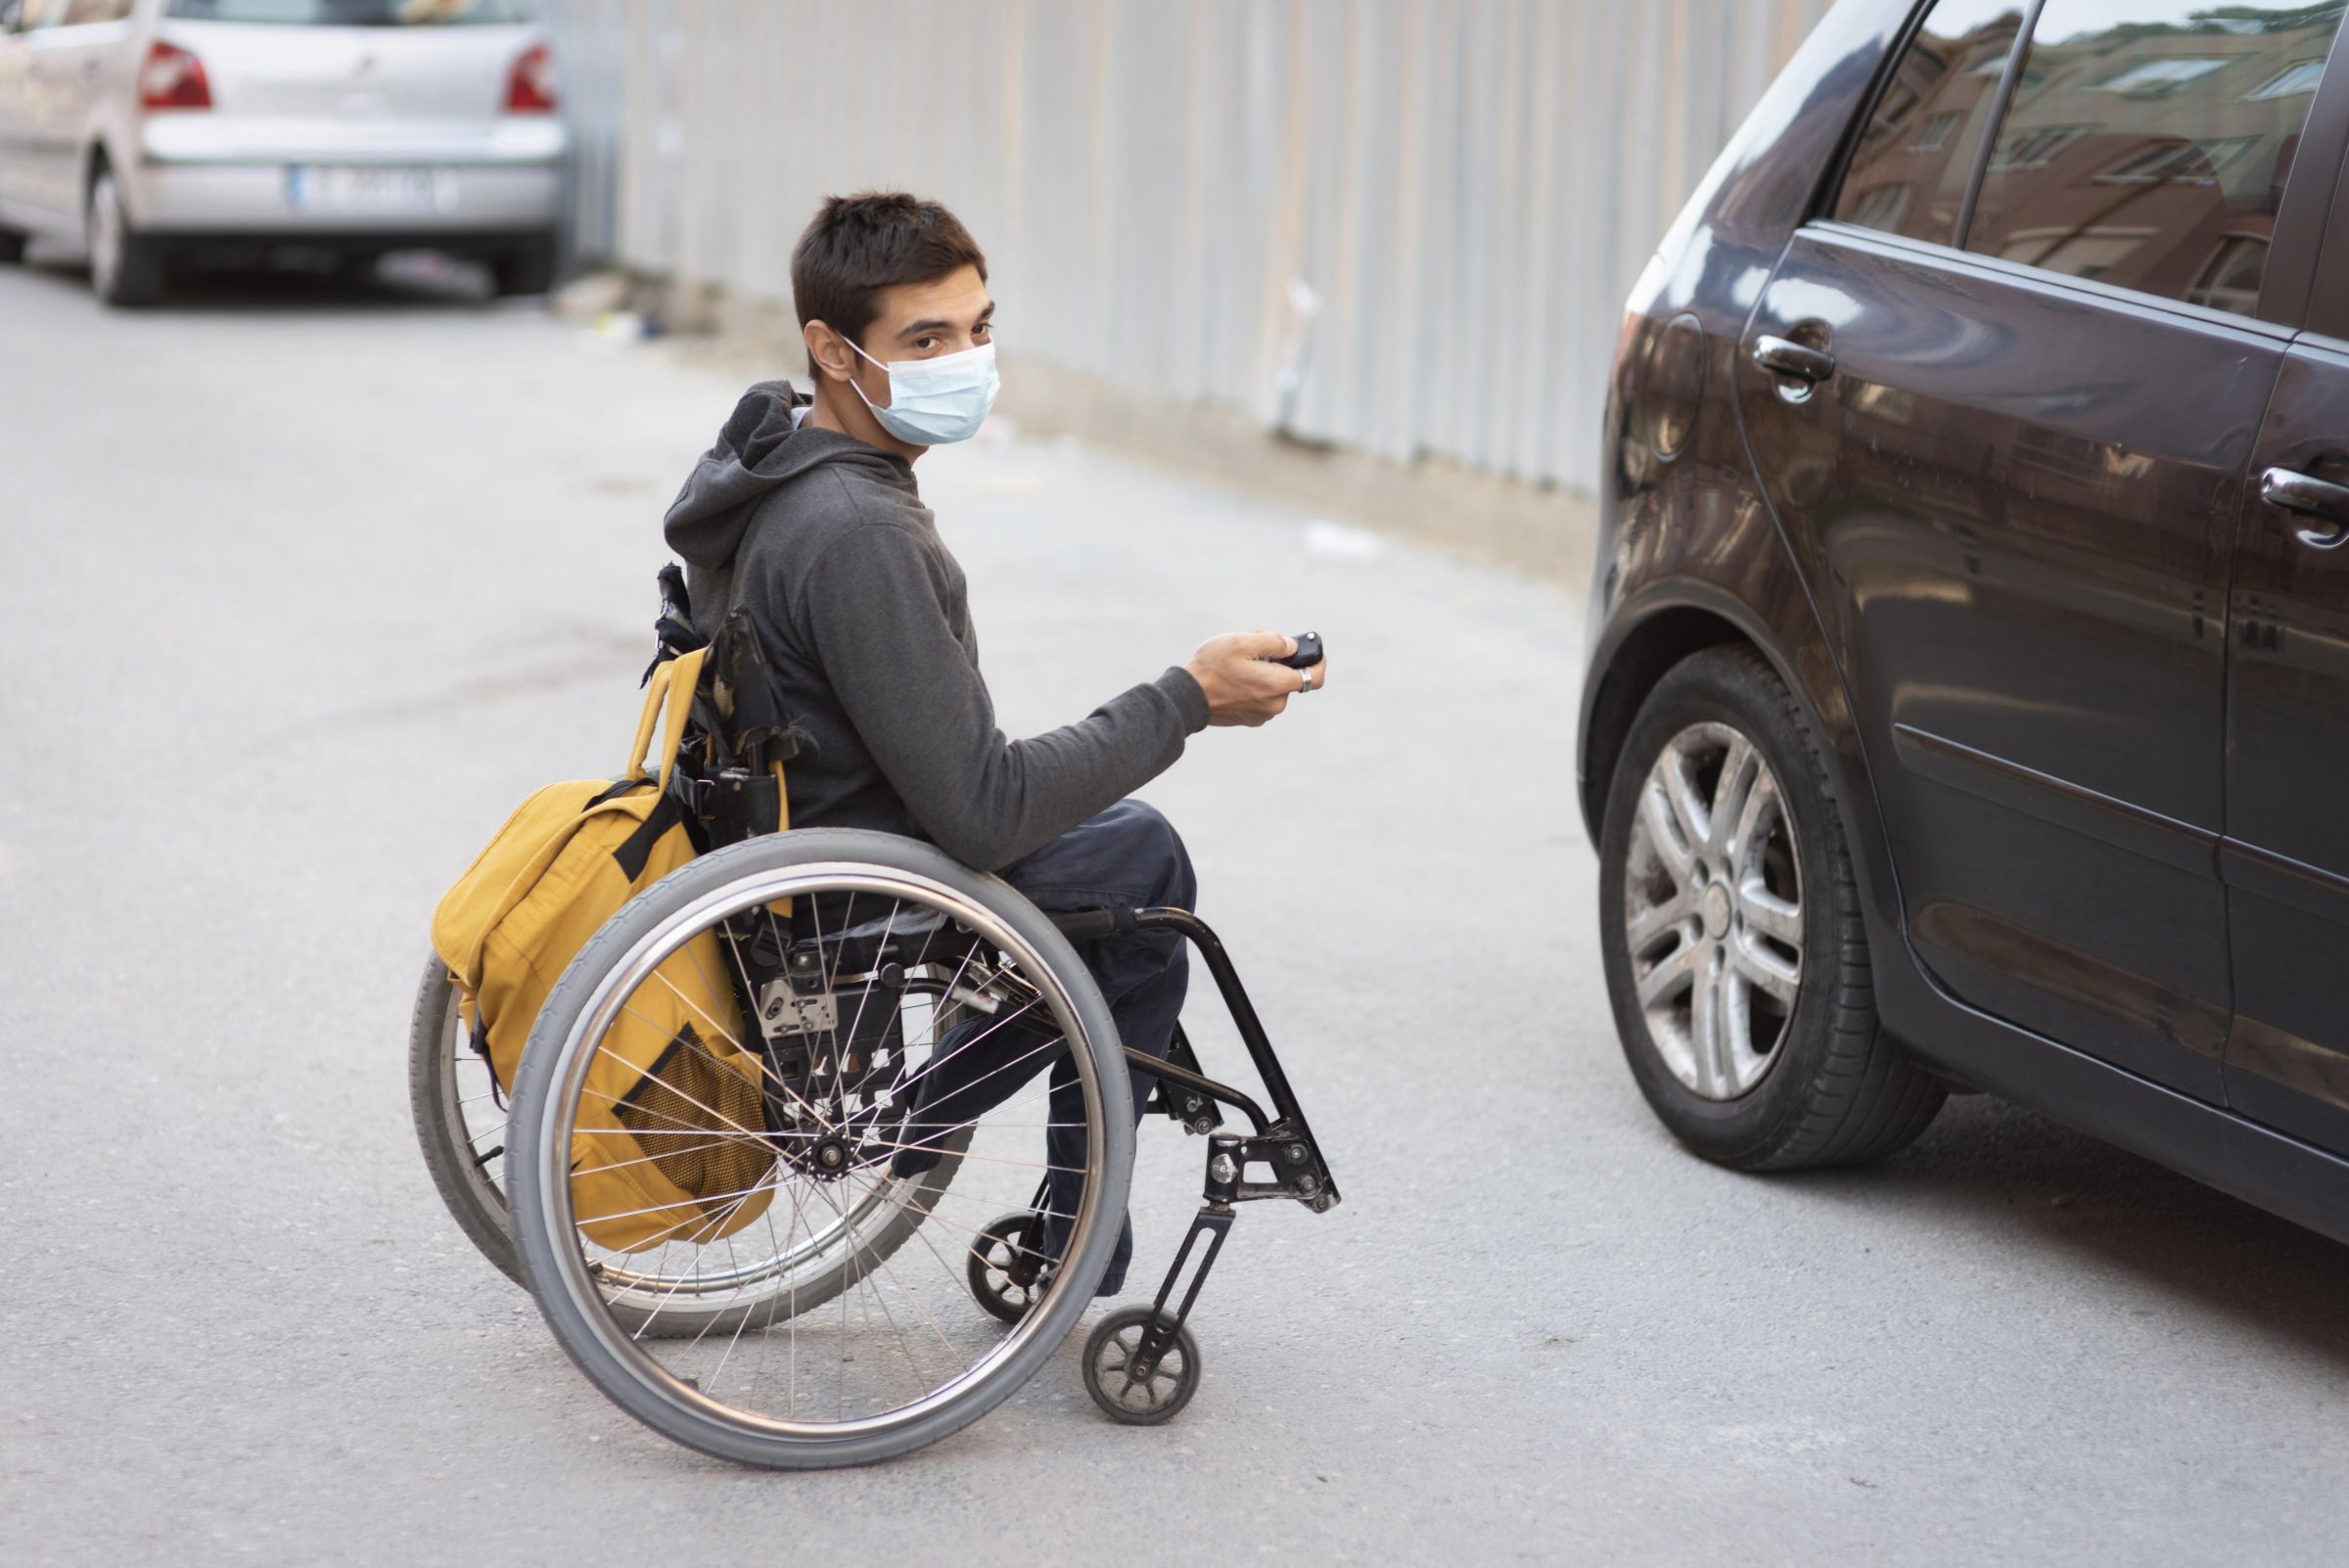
{"x": 805, "y": 511}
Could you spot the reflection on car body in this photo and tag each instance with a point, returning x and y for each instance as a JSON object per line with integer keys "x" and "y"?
{"x": 2046, "y": 402}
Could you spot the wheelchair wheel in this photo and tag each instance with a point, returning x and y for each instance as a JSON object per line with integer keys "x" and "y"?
{"x": 900, "y": 1007}
{"x": 460, "y": 1118}
{"x": 1130, "y": 1385}
{"x": 461, "y": 1125}
{"x": 1007, "y": 1265}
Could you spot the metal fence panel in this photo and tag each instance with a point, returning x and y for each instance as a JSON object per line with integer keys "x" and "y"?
{"x": 1399, "y": 225}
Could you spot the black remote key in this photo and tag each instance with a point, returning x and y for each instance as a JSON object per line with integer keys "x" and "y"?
{"x": 1308, "y": 654}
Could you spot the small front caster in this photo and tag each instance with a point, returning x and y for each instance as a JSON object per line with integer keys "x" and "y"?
{"x": 1137, "y": 1371}
{"x": 1007, "y": 1265}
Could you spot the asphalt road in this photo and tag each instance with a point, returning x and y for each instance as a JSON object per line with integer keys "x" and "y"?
{"x": 303, "y": 587}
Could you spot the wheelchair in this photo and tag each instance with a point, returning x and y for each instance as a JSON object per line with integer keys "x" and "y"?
{"x": 873, "y": 1260}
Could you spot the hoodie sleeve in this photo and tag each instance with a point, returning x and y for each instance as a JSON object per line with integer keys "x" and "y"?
{"x": 876, "y": 607}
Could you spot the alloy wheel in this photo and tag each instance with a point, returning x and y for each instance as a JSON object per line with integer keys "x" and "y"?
{"x": 1713, "y": 911}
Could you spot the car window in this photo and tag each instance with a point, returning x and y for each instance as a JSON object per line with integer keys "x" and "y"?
{"x": 38, "y": 13}
{"x": 80, "y": 13}
{"x": 1909, "y": 173}
{"x": 2150, "y": 140}
{"x": 351, "y": 12}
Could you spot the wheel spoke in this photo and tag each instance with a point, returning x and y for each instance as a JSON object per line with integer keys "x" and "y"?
{"x": 1735, "y": 1059}
{"x": 1767, "y": 913}
{"x": 1665, "y": 832}
{"x": 1766, "y": 969}
{"x": 1705, "y": 1028}
{"x": 1738, "y": 769}
{"x": 1754, "y": 808}
{"x": 1652, "y": 922}
{"x": 1671, "y": 976}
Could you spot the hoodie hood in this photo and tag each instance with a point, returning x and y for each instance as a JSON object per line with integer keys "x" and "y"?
{"x": 762, "y": 447}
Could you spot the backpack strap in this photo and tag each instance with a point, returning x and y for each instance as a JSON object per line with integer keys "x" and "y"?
{"x": 672, "y": 689}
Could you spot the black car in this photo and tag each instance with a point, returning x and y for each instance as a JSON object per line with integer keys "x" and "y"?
{"x": 1968, "y": 687}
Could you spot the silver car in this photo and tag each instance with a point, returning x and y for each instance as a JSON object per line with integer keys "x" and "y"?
{"x": 152, "y": 129}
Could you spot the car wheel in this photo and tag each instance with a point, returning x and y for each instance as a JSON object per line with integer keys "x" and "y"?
{"x": 12, "y": 246}
{"x": 1736, "y": 954}
{"x": 125, "y": 266}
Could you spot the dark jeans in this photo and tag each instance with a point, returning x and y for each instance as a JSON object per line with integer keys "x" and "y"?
{"x": 1127, "y": 858}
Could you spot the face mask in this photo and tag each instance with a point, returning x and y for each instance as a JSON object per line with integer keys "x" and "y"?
{"x": 932, "y": 401}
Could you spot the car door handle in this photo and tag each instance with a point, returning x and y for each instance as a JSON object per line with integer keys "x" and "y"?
{"x": 2305, "y": 494}
{"x": 1784, "y": 356}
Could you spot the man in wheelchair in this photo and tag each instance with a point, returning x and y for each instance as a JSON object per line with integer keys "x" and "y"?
{"x": 806, "y": 515}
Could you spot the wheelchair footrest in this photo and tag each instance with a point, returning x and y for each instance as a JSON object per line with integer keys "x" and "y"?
{"x": 1294, "y": 1162}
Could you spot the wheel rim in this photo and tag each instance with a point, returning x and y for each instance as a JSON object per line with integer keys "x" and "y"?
{"x": 474, "y": 1108}
{"x": 106, "y": 234}
{"x": 1007, "y": 1268}
{"x": 1126, "y": 1384}
{"x": 902, "y": 1338}
{"x": 1713, "y": 911}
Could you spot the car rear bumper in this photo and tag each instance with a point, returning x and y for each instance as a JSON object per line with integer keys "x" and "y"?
{"x": 200, "y": 174}
{"x": 258, "y": 199}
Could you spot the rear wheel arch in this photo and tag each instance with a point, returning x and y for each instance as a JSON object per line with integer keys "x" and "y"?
{"x": 1640, "y": 657}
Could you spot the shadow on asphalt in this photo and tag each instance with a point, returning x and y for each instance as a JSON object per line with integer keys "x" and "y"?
{"x": 2022, "y": 1178}
{"x": 409, "y": 281}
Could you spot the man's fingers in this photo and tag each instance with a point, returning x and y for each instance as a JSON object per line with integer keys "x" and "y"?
{"x": 1262, "y": 644}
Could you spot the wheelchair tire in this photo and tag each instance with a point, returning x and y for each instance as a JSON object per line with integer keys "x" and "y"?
{"x": 468, "y": 1176}
{"x": 1736, "y": 950}
{"x": 1125, "y": 1391}
{"x": 465, "y": 1153}
{"x": 758, "y": 1415}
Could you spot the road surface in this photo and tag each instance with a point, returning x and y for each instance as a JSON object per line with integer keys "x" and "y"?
{"x": 304, "y": 587}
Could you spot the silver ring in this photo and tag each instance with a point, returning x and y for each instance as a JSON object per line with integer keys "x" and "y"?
{"x": 1307, "y": 677}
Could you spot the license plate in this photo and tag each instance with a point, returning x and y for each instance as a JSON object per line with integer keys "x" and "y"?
{"x": 323, "y": 188}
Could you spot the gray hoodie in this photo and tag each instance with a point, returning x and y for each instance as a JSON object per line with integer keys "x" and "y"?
{"x": 865, "y": 620}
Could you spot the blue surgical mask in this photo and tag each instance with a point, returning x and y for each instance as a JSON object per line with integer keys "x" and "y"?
{"x": 932, "y": 401}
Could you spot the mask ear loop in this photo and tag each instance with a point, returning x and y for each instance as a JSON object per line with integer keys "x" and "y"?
{"x": 859, "y": 390}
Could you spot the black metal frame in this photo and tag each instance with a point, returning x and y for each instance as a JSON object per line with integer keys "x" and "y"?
{"x": 1283, "y": 1142}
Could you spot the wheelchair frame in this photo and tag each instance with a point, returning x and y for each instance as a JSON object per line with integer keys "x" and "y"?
{"x": 1284, "y": 1143}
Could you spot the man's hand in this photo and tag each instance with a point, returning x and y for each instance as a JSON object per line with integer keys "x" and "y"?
{"x": 1241, "y": 687}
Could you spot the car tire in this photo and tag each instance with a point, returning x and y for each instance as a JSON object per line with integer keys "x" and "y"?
{"x": 127, "y": 268}
{"x": 1724, "y": 874}
{"x": 529, "y": 268}
{"x": 12, "y": 247}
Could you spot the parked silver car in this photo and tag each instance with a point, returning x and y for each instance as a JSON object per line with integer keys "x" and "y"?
{"x": 159, "y": 128}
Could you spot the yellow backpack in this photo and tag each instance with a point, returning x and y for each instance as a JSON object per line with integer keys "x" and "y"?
{"x": 672, "y": 1071}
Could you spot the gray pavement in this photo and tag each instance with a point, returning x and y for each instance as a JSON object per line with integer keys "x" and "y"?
{"x": 303, "y": 588}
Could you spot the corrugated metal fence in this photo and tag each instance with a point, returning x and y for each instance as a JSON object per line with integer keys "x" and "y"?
{"x": 1399, "y": 225}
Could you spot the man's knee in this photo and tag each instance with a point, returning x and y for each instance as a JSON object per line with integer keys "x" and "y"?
{"x": 1158, "y": 846}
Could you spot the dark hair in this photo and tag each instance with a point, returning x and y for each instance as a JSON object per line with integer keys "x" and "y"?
{"x": 859, "y": 244}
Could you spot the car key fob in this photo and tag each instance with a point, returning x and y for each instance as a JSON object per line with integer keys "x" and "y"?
{"x": 1308, "y": 654}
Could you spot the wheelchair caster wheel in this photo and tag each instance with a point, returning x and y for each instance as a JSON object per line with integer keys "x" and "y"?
{"x": 1132, "y": 1385}
{"x": 1007, "y": 1266}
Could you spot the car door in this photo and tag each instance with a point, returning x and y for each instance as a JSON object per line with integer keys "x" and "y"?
{"x": 2003, "y": 400}
{"x": 72, "y": 57}
{"x": 2285, "y": 857}
{"x": 27, "y": 156}
{"x": 14, "y": 81}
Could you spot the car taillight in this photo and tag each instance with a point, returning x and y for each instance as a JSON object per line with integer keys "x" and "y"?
{"x": 173, "y": 79}
{"x": 530, "y": 85}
